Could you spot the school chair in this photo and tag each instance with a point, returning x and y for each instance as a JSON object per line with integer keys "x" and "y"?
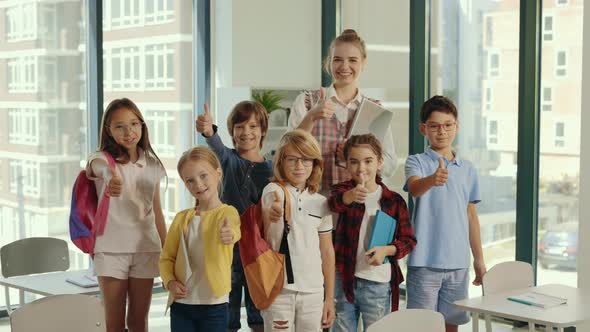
{"x": 30, "y": 256}
{"x": 415, "y": 320}
{"x": 64, "y": 313}
{"x": 504, "y": 277}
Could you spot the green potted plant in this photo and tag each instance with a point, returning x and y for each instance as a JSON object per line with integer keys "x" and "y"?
{"x": 271, "y": 100}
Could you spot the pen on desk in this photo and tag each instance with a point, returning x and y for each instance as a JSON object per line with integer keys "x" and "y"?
{"x": 524, "y": 302}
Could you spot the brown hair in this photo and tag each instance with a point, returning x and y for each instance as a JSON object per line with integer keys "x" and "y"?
{"x": 347, "y": 36}
{"x": 200, "y": 153}
{"x": 108, "y": 143}
{"x": 242, "y": 112}
{"x": 366, "y": 139}
{"x": 438, "y": 104}
{"x": 304, "y": 143}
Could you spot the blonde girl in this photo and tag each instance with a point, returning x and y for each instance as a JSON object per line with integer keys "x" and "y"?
{"x": 196, "y": 261}
{"x": 306, "y": 304}
{"x": 126, "y": 255}
{"x": 327, "y": 113}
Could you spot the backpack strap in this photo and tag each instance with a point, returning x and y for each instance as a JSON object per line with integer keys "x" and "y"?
{"x": 284, "y": 248}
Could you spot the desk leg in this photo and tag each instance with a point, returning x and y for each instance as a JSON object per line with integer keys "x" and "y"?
{"x": 549, "y": 328}
{"x": 475, "y": 321}
{"x": 488, "y": 319}
{"x": 531, "y": 327}
{"x": 7, "y": 295}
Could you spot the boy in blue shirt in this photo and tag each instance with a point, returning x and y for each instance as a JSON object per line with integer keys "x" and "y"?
{"x": 445, "y": 189}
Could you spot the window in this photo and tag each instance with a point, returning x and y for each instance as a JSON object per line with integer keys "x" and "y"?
{"x": 488, "y": 99}
{"x": 493, "y": 132}
{"x": 25, "y": 173}
{"x": 559, "y": 135}
{"x": 168, "y": 197}
{"x": 561, "y": 64}
{"x": 159, "y": 66}
{"x": 21, "y": 22}
{"x": 493, "y": 64}
{"x": 161, "y": 126}
{"x": 158, "y": 11}
{"x": 23, "y": 126}
{"x": 22, "y": 74}
{"x": 489, "y": 30}
{"x": 547, "y": 99}
{"x": 548, "y": 28}
{"x": 125, "y": 64}
{"x": 124, "y": 13}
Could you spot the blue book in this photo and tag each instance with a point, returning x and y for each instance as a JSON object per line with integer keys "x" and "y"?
{"x": 383, "y": 231}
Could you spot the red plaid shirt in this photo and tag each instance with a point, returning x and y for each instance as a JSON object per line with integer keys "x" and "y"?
{"x": 329, "y": 133}
{"x": 347, "y": 236}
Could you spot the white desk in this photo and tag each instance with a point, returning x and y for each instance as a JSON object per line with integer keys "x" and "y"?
{"x": 571, "y": 314}
{"x": 52, "y": 283}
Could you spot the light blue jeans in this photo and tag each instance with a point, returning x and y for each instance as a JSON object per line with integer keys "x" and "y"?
{"x": 437, "y": 289}
{"x": 372, "y": 301}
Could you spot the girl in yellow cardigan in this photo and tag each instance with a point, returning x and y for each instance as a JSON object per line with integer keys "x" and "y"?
{"x": 195, "y": 265}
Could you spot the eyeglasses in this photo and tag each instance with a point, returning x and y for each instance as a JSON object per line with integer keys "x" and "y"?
{"x": 121, "y": 129}
{"x": 292, "y": 161}
{"x": 433, "y": 126}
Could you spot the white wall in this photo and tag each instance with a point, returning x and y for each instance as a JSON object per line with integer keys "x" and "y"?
{"x": 276, "y": 43}
{"x": 584, "y": 241}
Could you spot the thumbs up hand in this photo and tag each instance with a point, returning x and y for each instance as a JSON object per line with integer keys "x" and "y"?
{"x": 440, "y": 177}
{"x": 204, "y": 122}
{"x": 275, "y": 212}
{"x": 325, "y": 108}
{"x": 357, "y": 194}
{"x": 226, "y": 234}
{"x": 115, "y": 186}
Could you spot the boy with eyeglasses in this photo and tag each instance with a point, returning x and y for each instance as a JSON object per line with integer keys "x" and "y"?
{"x": 444, "y": 188}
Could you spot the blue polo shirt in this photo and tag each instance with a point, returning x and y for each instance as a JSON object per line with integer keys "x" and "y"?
{"x": 439, "y": 217}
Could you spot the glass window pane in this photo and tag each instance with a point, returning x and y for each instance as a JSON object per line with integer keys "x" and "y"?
{"x": 559, "y": 168}
{"x": 43, "y": 114}
{"x": 461, "y": 50}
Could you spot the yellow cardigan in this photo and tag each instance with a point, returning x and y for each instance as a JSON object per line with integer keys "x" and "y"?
{"x": 218, "y": 256}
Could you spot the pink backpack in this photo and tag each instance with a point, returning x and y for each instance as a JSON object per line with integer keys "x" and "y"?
{"x": 87, "y": 217}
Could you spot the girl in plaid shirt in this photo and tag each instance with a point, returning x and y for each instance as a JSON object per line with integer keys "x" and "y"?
{"x": 364, "y": 284}
{"x": 327, "y": 113}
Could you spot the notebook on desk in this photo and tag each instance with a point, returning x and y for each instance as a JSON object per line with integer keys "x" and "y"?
{"x": 85, "y": 281}
{"x": 383, "y": 231}
{"x": 538, "y": 300}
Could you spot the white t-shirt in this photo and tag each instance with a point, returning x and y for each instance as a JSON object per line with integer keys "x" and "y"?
{"x": 198, "y": 291}
{"x": 310, "y": 217}
{"x": 131, "y": 225}
{"x": 364, "y": 270}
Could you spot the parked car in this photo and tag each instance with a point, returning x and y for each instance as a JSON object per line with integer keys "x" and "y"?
{"x": 559, "y": 246}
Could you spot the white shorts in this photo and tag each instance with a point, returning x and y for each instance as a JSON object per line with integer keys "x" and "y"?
{"x": 141, "y": 265}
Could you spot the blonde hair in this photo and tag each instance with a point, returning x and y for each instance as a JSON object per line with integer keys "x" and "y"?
{"x": 304, "y": 143}
{"x": 201, "y": 153}
{"x": 347, "y": 36}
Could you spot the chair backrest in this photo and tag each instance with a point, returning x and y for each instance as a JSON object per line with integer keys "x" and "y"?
{"x": 415, "y": 320}
{"x": 507, "y": 276}
{"x": 64, "y": 313}
{"x": 34, "y": 255}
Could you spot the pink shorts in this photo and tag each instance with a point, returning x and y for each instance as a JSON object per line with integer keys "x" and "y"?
{"x": 141, "y": 265}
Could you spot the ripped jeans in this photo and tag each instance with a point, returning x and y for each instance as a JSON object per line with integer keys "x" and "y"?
{"x": 294, "y": 312}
